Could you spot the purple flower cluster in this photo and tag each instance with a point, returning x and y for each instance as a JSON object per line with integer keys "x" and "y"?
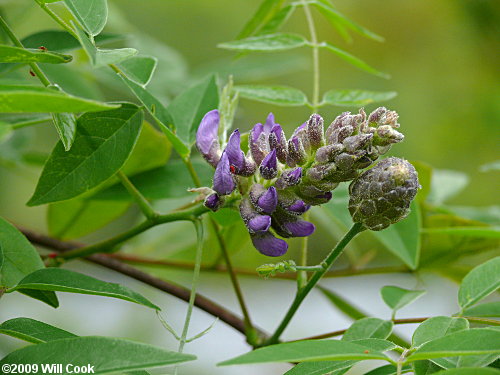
{"x": 278, "y": 179}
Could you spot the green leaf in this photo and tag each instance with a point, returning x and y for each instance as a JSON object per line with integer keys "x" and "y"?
{"x": 336, "y": 18}
{"x": 437, "y": 327}
{"x": 61, "y": 280}
{"x": 77, "y": 217}
{"x": 466, "y": 342}
{"x": 9, "y": 54}
{"x": 152, "y": 150}
{"x": 24, "y": 98}
{"x": 486, "y": 214}
{"x": 353, "y": 60}
{"x": 425, "y": 367}
{"x": 309, "y": 350}
{"x": 169, "y": 181}
{"x": 18, "y": 257}
{"x": 266, "y": 43}
{"x": 403, "y": 238}
{"x": 91, "y": 15}
{"x": 65, "y": 124}
{"x": 446, "y": 184}
{"x": 397, "y": 298}
{"x": 479, "y": 283}
{"x": 101, "y": 57}
{"x": 103, "y": 139}
{"x": 97, "y": 351}
{"x": 266, "y": 10}
{"x": 342, "y": 304}
{"x": 278, "y": 95}
{"x": 160, "y": 113}
{"x": 368, "y": 328}
{"x": 469, "y": 371}
{"x": 490, "y": 309}
{"x": 378, "y": 345}
{"x": 188, "y": 108}
{"x": 62, "y": 41}
{"x": 275, "y": 23}
{"x": 321, "y": 368}
{"x": 479, "y": 232}
{"x": 33, "y": 331}
{"x": 139, "y": 69}
{"x": 356, "y": 98}
{"x": 388, "y": 370}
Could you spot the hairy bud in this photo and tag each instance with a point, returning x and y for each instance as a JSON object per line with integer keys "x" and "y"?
{"x": 382, "y": 195}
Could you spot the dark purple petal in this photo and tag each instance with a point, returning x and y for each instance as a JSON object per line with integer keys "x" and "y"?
{"x": 296, "y": 152}
{"x": 258, "y": 143}
{"x": 299, "y": 207}
{"x": 299, "y": 228}
{"x": 259, "y": 223}
{"x": 269, "y": 123}
{"x": 269, "y": 245}
{"x": 207, "y": 137}
{"x": 326, "y": 196}
{"x": 269, "y": 166}
{"x": 234, "y": 154}
{"x": 268, "y": 201}
{"x": 223, "y": 179}
{"x": 277, "y": 141}
{"x": 213, "y": 202}
{"x": 289, "y": 178}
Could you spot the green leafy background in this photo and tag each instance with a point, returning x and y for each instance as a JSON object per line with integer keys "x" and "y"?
{"x": 441, "y": 59}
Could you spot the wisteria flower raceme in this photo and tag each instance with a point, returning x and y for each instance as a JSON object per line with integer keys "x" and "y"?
{"x": 279, "y": 179}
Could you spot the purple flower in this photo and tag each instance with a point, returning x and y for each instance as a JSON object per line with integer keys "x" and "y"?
{"x": 296, "y": 152}
{"x": 237, "y": 160}
{"x": 269, "y": 245}
{"x": 269, "y": 166}
{"x": 315, "y": 131}
{"x": 234, "y": 154}
{"x": 213, "y": 202}
{"x": 259, "y": 223}
{"x": 292, "y": 226}
{"x": 269, "y": 123}
{"x": 223, "y": 179}
{"x": 268, "y": 201}
{"x": 298, "y": 208}
{"x": 289, "y": 178}
{"x": 207, "y": 137}
{"x": 277, "y": 141}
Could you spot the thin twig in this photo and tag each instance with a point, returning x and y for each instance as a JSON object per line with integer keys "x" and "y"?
{"x": 180, "y": 292}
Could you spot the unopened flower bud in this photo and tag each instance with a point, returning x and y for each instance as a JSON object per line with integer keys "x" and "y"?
{"x": 289, "y": 225}
{"x": 207, "y": 137}
{"x": 240, "y": 164}
{"x": 213, "y": 202}
{"x": 289, "y": 178}
{"x": 259, "y": 223}
{"x": 269, "y": 166}
{"x": 357, "y": 142}
{"x": 296, "y": 152}
{"x": 223, "y": 179}
{"x": 382, "y": 195}
{"x": 315, "y": 131}
{"x": 277, "y": 141}
{"x": 258, "y": 143}
{"x": 386, "y": 135}
{"x": 327, "y": 153}
{"x": 298, "y": 207}
{"x": 264, "y": 200}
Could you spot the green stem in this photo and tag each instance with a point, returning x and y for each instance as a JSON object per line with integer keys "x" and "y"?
{"x": 302, "y": 293}
{"x": 142, "y": 202}
{"x": 56, "y": 18}
{"x": 34, "y": 67}
{"x": 192, "y": 172}
{"x": 109, "y": 245}
{"x": 25, "y": 124}
{"x": 315, "y": 56}
{"x": 196, "y": 276}
{"x": 250, "y": 331}
{"x": 302, "y": 268}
